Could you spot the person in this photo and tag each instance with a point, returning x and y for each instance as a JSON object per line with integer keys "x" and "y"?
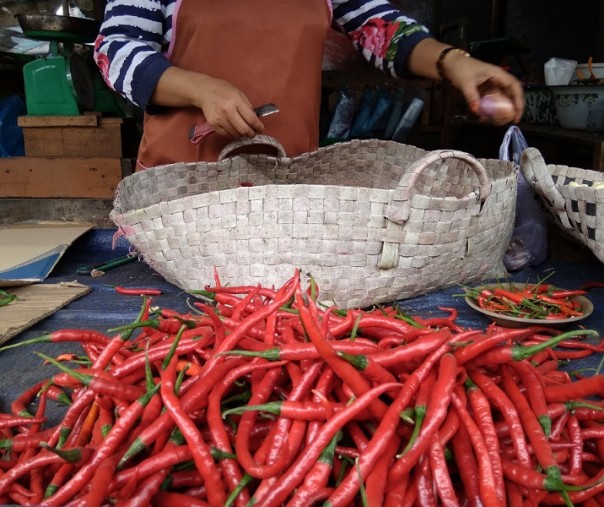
{"x": 188, "y": 63}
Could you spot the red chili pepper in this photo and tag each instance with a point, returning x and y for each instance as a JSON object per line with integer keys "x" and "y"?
{"x": 467, "y": 466}
{"x": 145, "y": 490}
{"x": 99, "y": 484}
{"x": 131, "y": 291}
{"x": 508, "y": 353}
{"x": 482, "y": 416}
{"x": 196, "y": 396}
{"x": 440, "y": 474}
{"x": 19, "y": 405}
{"x": 435, "y": 415}
{"x": 419, "y": 348}
{"x": 23, "y": 441}
{"x": 62, "y": 336}
{"x": 44, "y": 458}
{"x": 578, "y": 389}
{"x": 101, "y": 384}
{"x": 246, "y": 423}
{"x": 200, "y": 451}
{"x": 425, "y": 483}
{"x": 486, "y": 482}
{"x": 384, "y": 434}
{"x": 371, "y": 368}
{"x": 175, "y": 499}
{"x": 61, "y": 432}
{"x": 505, "y": 406}
{"x": 295, "y": 474}
{"x": 375, "y": 487}
{"x": 515, "y": 297}
{"x": 533, "y": 429}
{"x": 115, "y": 437}
{"x": 575, "y": 465}
{"x": 220, "y": 437}
{"x": 565, "y": 309}
{"x": 534, "y": 393}
{"x": 481, "y": 344}
{"x": 422, "y": 400}
{"x": 349, "y": 375}
{"x": 592, "y": 285}
{"x": 561, "y": 294}
{"x": 83, "y": 438}
{"x": 528, "y": 477}
{"x": 317, "y": 477}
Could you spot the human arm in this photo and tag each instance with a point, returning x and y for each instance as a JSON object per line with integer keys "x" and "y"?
{"x": 399, "y": 46}
{"x": 472, "y": 77}
{"x": 129, "y": 53}
{"x": 226, "y": 108}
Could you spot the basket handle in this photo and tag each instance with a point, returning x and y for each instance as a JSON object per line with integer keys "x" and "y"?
{"x": 236, "y": 147}
{"x": 538, "y": 176}
{"x": 399, "y": 207}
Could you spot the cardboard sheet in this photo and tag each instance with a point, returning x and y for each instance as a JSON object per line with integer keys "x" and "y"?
{"x": 29, "y": 251}
{"x": 34, "y": 303}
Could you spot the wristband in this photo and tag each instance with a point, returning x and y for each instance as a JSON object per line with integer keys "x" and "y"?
{"x": 441, "y": 60}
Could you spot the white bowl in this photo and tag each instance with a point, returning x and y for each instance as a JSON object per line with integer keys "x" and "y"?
{"x": 575, "y": 102}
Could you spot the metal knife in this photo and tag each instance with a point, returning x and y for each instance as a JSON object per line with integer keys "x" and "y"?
{"x": 199, "y": 132}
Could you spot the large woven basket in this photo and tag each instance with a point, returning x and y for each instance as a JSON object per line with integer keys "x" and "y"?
{"x": 370, "y": 220}
{"x": 572, "y": 197}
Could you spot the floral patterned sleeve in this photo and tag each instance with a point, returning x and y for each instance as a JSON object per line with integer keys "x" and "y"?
{"x": 380, "y": 32}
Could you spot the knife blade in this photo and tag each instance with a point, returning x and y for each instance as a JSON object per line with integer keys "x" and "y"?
{"x": 200, "y": 131}
{"x": 266, "y": 109}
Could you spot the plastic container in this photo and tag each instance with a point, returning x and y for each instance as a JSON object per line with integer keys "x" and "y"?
{"x": 574, "y": 102}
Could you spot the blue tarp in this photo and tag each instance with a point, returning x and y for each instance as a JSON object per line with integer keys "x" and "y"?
{"x": 103, "y": 308}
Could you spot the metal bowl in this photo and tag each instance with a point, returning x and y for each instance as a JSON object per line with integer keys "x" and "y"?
{"x": 58, "y": 28}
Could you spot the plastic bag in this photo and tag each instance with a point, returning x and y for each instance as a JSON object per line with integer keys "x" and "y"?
{"x": 11, "y": 135}
{"x": 341, "y": 122}
{"x": 408, "y": 120}
{"x": 360, "y": 126}
{"x": 528, "y": 245}
{"x": 381, "y": 112}
{"x": 558, "y": 71}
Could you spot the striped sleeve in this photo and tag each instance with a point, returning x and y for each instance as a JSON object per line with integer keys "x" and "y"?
{"x": 128, "y": 49}
{"x": 380, "y": 32}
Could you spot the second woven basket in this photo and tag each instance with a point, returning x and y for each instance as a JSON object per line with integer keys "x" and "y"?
{"x": 572, "y": 197}
{"x": 371, "y": 221}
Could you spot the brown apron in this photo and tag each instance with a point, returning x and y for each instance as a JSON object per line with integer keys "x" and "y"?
{"x": 272, "y": 50}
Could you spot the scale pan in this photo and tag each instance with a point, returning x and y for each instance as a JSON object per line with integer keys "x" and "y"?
{"x": 58, "y": 28}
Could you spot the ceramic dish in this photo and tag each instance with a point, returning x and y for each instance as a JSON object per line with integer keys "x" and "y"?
{"x": 508, "y": 321}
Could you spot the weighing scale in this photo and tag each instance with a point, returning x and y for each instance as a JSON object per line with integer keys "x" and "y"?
{"x": 61, "y": 83}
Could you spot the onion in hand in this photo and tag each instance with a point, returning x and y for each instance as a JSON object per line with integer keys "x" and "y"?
{"x": 497, "y": 109}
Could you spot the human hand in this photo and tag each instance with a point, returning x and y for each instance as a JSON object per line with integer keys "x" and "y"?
{"x": 227, "y": 109}
{"x": 476, "y": 79}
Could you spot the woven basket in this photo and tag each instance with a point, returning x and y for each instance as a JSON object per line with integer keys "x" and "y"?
{"x": 371, "y": 220}
{"x": 571, "y": 198}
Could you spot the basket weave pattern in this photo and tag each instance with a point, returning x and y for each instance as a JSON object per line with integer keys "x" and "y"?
{"x": 569, "y": 197}
{"x": 372, "y": 221}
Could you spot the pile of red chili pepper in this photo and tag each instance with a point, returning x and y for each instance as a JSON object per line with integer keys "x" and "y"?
{"x": 267, "y": 398}
{"x": 528, "y": 301}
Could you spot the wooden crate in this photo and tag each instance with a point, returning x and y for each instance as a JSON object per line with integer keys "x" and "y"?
{"x": 69, "y": 177}
{"x": 88, "y": 135}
